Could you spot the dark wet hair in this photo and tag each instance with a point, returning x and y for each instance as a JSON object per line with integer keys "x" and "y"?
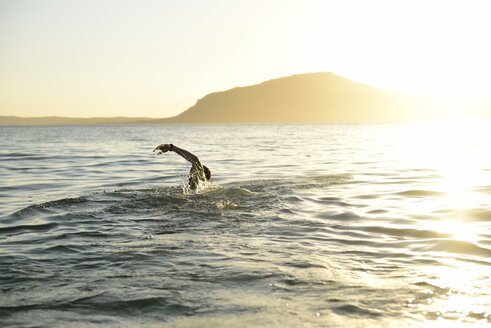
{"x": 207, "y": 172}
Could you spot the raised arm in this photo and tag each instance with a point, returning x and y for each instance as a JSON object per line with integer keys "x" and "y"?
{"x": 187, "y": 155}
{"x": 184, "y": 153}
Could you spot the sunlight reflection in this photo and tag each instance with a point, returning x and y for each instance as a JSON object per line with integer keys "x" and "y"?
{"x": 459, "y": 230}
{"x": 453, "y": 157}
{"x": 449, "y": 149}
{"x": 457, "y": 277}
{"x": 458, "y": 296}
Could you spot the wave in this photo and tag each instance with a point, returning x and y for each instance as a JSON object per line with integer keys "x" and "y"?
{"x": 28, "y": 227}
{"x": 299, "y": 182}
{"x": 44, "y": 209}
{"x": 406, "y": 232}
{"x": 157, "y": 196}
{"x": 457, "y": 247}
{"x": 13, "y": 156}
{"x": 353, "y": 310}
{"x": 483, "y": 189}
{"x": 299, "y": 213}
{"x": 421, "y": 193}
{"x": 127, "y": 201}
{"x": 478, "y": 214}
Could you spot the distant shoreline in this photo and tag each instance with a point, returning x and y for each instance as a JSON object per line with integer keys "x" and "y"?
{"x": 59, "y": 120}
{"x": 73, "y": 121}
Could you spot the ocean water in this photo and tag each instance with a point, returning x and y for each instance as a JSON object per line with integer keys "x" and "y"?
{"x": 301, "y": 226}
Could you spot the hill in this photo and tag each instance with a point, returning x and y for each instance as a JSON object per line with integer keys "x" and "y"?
{"x": 306, "y": 98}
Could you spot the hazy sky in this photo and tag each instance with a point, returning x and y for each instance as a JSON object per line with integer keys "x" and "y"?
{"x": 156, "y": 58}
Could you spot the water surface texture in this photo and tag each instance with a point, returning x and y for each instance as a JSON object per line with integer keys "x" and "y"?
{"x": 302, "y": 226}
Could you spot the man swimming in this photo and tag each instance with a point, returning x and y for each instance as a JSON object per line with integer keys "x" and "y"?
{"x": 197, "y": 173}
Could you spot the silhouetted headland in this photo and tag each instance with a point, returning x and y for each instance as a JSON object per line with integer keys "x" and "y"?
{"x": 306, "y": 98}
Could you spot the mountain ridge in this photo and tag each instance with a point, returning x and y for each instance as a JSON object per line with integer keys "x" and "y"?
{"x": 302, "y": 98}
{"x": 321, "y": 97}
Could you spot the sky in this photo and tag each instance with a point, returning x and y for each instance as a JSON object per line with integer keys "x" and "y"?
{"x": 157, "y": 58}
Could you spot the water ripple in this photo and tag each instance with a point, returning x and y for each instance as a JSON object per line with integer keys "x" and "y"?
{"x": 301, "y": 226}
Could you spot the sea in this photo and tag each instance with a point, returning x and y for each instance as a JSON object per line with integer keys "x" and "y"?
{"x": 319, "y": 225}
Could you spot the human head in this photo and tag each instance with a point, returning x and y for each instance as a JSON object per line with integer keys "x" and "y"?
{"x": 207, "y": 172}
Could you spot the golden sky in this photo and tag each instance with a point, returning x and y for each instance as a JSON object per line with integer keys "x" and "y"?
{"x": 156, "y": 58}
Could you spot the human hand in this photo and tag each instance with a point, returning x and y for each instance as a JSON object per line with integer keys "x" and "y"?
{"x": 163, "y": 148}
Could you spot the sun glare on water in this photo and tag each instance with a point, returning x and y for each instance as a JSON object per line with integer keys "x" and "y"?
{"x": 458, "y": 159}
{"x": 450, "y": 149}
{"x": 452, "y": 154}
{"x": 457, "y": 230}
{"x": 461, "y": 294}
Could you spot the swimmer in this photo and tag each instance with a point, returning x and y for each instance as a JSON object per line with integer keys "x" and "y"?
{"x": 197, "y": 173}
